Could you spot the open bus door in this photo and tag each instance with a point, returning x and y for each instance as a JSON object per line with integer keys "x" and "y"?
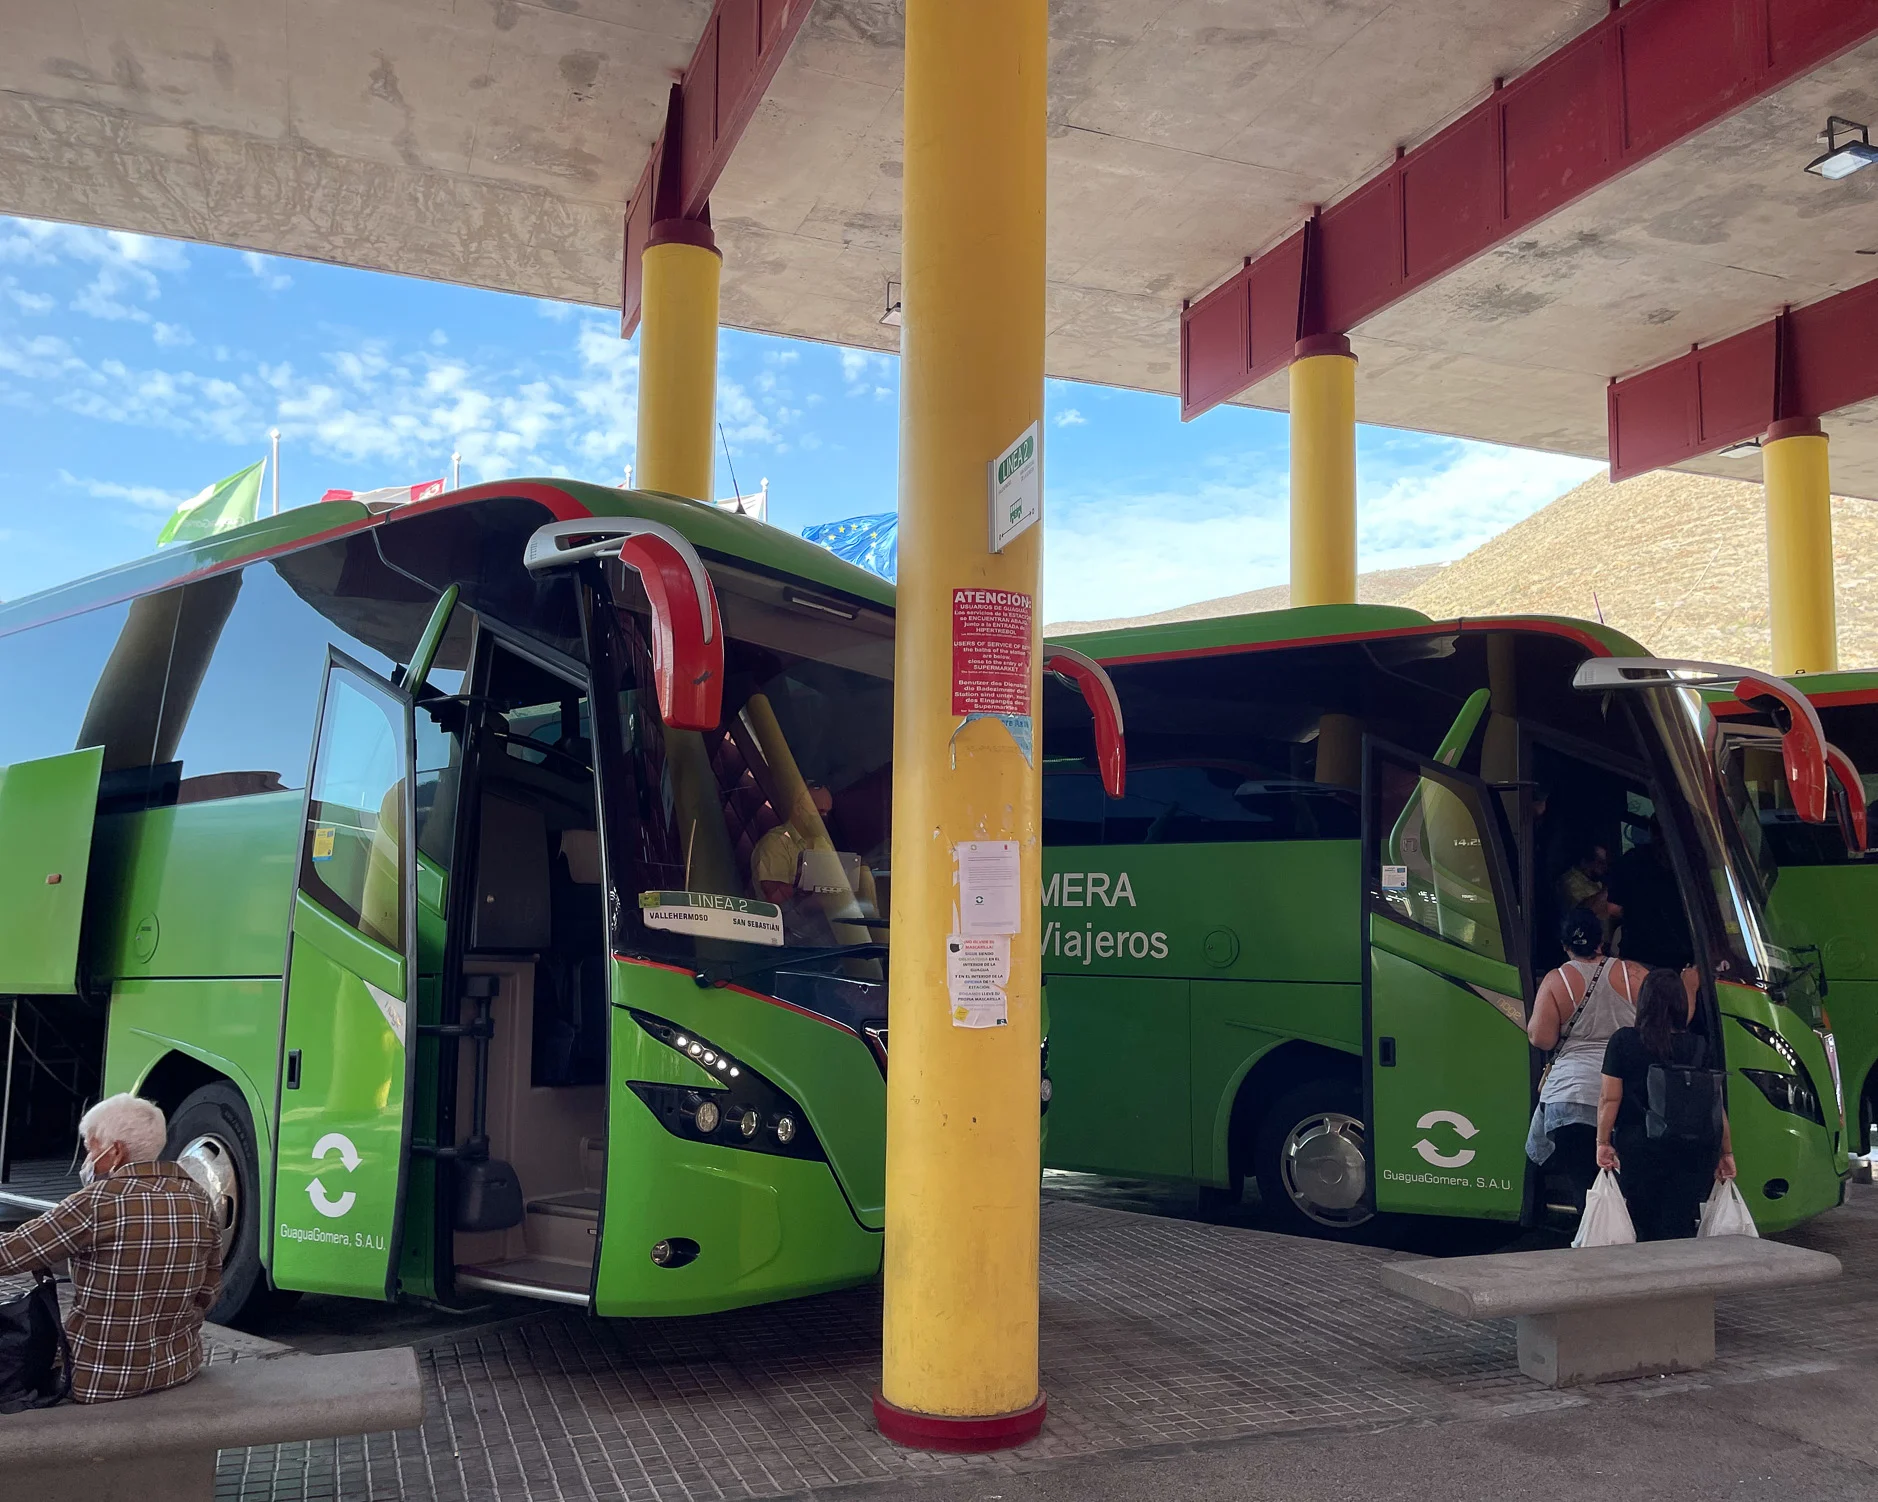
{"x": 1446, "y": 1072}
{"x": 345, "y": 1069}
{"x": 47, "y": 809}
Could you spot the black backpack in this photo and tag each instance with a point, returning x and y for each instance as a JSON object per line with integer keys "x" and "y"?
{"x": 1685, "y": 1098}
{"x": 35, "y": 1358}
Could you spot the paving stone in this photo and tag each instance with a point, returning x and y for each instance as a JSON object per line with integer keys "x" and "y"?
{"x": 1154, "y": 1332}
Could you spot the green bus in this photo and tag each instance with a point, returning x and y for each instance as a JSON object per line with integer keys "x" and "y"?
{"x": 1302, "y": 947}
{"x": 409, "y": 858}
{"x": 1822, "y": 885}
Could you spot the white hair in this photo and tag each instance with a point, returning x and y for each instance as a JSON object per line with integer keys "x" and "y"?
{"x": 127, "y": 1119}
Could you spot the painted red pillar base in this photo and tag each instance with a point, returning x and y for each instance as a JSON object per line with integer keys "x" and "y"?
{"x": 934, "y": 1431}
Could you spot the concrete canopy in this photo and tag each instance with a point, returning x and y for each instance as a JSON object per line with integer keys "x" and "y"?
{"x": 495, "y": 143}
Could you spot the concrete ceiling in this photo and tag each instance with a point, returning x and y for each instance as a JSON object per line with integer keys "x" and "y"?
{"x": 494, "y": 142}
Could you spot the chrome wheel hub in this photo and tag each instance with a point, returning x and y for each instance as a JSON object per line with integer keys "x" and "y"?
{"x": 1323, "y": 1168}
{"x": 211, "y": 1163}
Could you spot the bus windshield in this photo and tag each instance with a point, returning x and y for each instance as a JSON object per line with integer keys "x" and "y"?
{"x": 1723, "y": 838}
{"x": 766, "y": 837}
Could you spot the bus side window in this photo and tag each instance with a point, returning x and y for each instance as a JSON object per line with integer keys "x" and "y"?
{"x": 353, "y": 852}
{"x": 1072, "y": 805}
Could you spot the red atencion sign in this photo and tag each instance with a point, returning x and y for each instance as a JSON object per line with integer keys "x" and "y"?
{"x": 991, "y": 634}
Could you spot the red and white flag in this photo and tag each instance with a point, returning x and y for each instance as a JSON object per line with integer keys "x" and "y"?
{"x": 391, "y": 495}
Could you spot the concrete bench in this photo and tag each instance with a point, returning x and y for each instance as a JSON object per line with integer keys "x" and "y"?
{"x": 161, "y": 1447}
{"x": 1602, "y": 1313}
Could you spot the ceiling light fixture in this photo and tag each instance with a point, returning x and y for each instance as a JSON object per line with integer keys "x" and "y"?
{"x": 1843, "y": 158}
{"x": 891, "y": 318}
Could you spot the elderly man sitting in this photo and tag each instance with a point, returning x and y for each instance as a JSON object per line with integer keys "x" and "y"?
{"x": 144, "y": 1252}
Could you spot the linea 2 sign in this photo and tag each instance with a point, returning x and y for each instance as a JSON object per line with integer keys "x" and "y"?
{"x": 1015, "y": 480}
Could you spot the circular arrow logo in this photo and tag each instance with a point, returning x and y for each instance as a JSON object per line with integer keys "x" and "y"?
{"x": 1463, "y": 1128}
{"x": 338, "y": 1142}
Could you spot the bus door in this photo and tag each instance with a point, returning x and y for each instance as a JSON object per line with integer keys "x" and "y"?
{"x": 1446, "y": 1072}
{"x": 46, "y": 813}
{"x": 345, "y": 1070}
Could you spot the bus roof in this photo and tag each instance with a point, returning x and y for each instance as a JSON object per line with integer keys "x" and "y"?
{"x": 1321, "y": 623}
{"x": 710, "y": 530}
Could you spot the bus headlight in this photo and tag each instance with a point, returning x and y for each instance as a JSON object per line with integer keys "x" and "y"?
{"x": 1791, "y": 1090}
{"x": 1792, "y": 1093}
{"x": 738, "y": 1094}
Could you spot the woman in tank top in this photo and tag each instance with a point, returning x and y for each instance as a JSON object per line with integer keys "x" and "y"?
{"x": 1579, "y": 1006}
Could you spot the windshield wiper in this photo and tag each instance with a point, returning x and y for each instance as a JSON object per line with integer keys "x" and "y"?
{"x": 707, "y": 978}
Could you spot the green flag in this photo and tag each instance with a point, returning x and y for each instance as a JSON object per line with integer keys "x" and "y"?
{"x": 216, "y": 508}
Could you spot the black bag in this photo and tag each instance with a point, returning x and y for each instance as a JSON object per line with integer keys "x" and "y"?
{"x": 35, "y": 1357}
{"x": 1685, "y": 1098}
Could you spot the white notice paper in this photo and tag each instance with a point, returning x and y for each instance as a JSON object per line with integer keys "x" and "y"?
{"x": 989, "y": 886}
{"x": 977, "y": 969}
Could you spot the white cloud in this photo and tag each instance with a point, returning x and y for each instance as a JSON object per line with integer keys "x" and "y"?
{"x": 146, "y": 497}
{"x": 263, "y": 270}
{"x": 38, "y": 242}
{"x": 1441, "y": 511}
{"x": 865, "y": 372}
{"x": 34, "y": 303}
{"x": 127, "y": 266}
{"x": 555, "y": 312}
{"x": 1069, "y": 417}
{"x": 377, "y": 412}
{"x": 171, "y": 335}
{"x": 1424, "y": 501}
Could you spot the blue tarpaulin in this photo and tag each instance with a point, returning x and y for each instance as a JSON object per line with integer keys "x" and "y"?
{"x": 870, "y": 542}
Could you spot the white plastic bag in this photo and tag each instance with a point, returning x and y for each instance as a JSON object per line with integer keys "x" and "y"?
{"x": 1606, "y": 1219}
{"x": 1725, "y": 1213}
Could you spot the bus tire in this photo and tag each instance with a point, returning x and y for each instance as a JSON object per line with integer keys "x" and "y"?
{"x": 1313, "y": 1180}
{"x": 212, "y": 1135}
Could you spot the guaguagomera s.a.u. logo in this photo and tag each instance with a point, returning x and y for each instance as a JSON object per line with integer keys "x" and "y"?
{"x": 1085, "y": 942}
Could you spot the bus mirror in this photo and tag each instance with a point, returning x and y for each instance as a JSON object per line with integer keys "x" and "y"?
{"x": 1802, "y": 740}
{"x": 1089, "y": 678}
{"x": 1852, "y": 792}
{"x": 687, "y": 632}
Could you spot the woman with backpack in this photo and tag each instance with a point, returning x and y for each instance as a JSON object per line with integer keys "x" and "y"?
{"x": 1580, "y": 1006}
{"x": 1661, "y": 1124}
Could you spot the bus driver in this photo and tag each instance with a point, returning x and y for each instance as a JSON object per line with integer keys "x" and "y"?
{"x": 778, "y": 855}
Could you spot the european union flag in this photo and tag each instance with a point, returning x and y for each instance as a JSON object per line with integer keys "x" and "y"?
{"x": 871, "y": 542}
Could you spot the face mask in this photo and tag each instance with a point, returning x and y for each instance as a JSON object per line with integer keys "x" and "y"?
{"x": 86, "y": 1173}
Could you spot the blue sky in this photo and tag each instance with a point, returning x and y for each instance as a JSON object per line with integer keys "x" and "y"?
{"x": 135, "y": 371}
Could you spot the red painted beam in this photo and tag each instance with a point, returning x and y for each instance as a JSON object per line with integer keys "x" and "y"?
{"x": 742, "y": 46}
{"x": 1643, "y": 79}
{"x": 1805, "y": 363}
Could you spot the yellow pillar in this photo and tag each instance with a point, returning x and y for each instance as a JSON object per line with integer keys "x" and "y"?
{"x": 678, "y": 359}
{"x": 960, "y": 1330}
{"x": 1323, "y": 472}
{"x": 1804, "y": 615}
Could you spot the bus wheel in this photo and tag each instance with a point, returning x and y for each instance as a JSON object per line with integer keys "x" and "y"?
{"x": 212, "y": 1136}
{"x": 1312, "y": 1176}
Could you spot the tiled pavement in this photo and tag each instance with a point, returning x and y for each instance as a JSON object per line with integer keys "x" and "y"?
{"x": 1155, "y": 1332}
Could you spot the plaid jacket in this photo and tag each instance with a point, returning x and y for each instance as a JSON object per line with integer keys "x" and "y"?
{"x": 146, "y": 1262}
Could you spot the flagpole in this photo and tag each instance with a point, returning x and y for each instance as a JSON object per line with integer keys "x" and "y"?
{"x": 456, "y": 471}
{"x": 274, "y": 438}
